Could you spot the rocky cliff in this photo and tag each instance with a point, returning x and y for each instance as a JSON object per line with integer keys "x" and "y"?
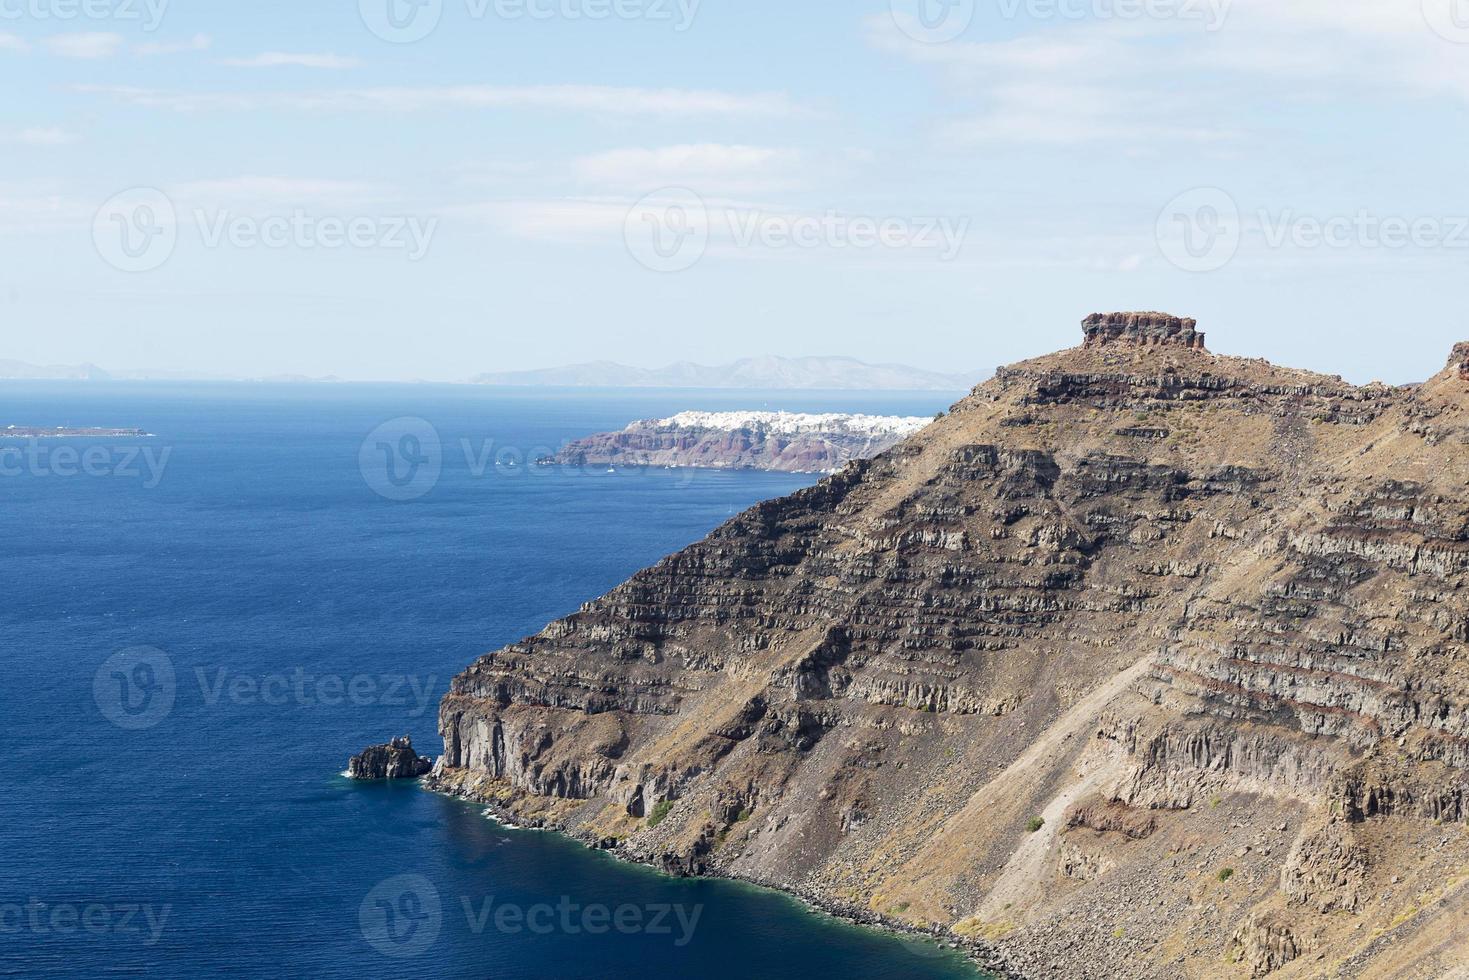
{"x": 780, "y": 441}
{"x": 1141, "y": 662}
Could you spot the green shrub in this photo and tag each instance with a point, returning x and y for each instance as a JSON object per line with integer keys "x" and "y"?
{"x": 1034, "y": 824}
{"x": 1226, "y": 873}
{"x": 659, "y": 812}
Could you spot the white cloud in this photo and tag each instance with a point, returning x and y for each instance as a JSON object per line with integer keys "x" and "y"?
{"x": 199, "y": 42}
{"x": 1160, "y": 80}
{"x": 89, "y": 46}
{"x": 600, "y": 99}
{"x": 704, "y": 167}
{"x": 280, "y": 59}
{"x": 10, "y": 42}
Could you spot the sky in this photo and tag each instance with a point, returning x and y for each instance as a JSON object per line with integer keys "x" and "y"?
{"x": 430, "y": 189}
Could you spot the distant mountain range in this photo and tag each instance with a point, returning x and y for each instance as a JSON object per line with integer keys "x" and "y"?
{"x": 21, "y": 371}
{"x": 776, "y": 373}
{"x": 767, "y": 373}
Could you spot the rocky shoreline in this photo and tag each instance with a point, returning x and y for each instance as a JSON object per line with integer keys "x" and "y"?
{"x": 1141, "y": 662}
{"x": 987, "y": 958}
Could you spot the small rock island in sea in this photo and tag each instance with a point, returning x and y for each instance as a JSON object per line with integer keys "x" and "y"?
{"x": 395, "y": 760}
{"x": 779, "y": 441}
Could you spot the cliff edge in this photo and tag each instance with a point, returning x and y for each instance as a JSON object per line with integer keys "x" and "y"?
{"x": 1142, "y": 662}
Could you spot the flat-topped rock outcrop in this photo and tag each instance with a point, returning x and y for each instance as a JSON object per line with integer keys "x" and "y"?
{"x": 1143, "y": 329}
{"x": 1141, "y": 662}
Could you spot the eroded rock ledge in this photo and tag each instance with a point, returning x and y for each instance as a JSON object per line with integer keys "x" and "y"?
{"x": 1142, "y": 662}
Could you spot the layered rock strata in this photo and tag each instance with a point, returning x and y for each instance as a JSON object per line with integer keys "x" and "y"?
{"x": 1142, "y": 329}
{"x": 1142, "y": 662}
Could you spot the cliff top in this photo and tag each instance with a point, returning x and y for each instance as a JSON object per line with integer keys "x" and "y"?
{"x": 1129, "y": 344}
{"x": 1142, "y": 329}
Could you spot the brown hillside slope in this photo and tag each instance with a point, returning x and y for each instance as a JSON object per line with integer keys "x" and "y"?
{"x": 1202, "y": 618}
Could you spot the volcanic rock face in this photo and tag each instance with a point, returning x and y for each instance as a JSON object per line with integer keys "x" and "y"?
{"x": 396, "y": 760}
{"x": 1142, "y": 662}
{"x": 1143, "y": 329}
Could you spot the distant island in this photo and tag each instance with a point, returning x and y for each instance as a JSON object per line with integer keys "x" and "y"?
{"x": 70, "y": 432}
{"x": 774, "y": 373}
{"x": 777, "y": 441}
{"x": 23, "y": 371}
{"x": 750, "y": 373}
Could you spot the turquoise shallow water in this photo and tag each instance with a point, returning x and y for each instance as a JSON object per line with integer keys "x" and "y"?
{"x": 197, "y": 639}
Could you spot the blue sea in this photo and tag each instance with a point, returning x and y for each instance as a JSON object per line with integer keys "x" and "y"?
{"x": 201, "y": 627}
